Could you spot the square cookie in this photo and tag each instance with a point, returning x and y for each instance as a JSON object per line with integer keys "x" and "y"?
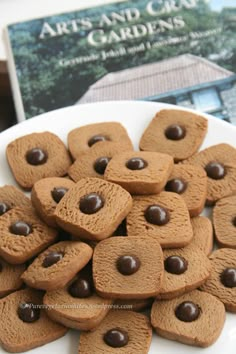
{"x": 140, "y": 172}
{"x": 93, "y": 209}
{"x": 23, "y": 235}
{"x": 163, "y": 217}
{"x": 35, "y": 156}
{"x": 174, "y": 132}
{"x": 128, "y": 268}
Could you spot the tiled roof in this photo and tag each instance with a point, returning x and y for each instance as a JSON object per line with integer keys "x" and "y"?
{"x": 154, "y": 79}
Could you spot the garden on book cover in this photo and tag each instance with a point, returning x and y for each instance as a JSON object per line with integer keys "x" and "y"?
{"x": 181, "y": 52}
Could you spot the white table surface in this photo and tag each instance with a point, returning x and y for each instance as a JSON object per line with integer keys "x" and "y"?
{"x": 12, "y": 11}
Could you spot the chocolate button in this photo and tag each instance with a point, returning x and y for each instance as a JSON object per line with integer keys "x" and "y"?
{"x": 52, "y": 258}
{"x": 187, "y": 311}
{"x": 4, "y": 208}
{"x": 58, "y": 193}
{"x": 28, "y": 313}
{"x": 228, "y": 277}
{"x": 176, "y": 265}
{"x": 101, "y": 164}
{"x": 96, "y": 138}
{"x": 175, "y": 132}
{"x": 91, "y": 203}
{"x": 81, "y": 288}
{"x": 136, "y": 163}
{"x": 36, "y": 156}
{"x": 128, "y": 265}
{"x": 176, "y": 185}
{"x": 20, "y": 228}
{"x": 116, "y": 338}
{"x": 157, "y": 215}
{"x": 215, "y": 170}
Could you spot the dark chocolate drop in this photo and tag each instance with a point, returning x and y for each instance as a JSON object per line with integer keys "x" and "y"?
{"x": 58, "y": 193}
{"x": 176, "y": 265}
{"x": 215, "y": 170}
{"x": 96, "y": 138}
{"x": 136, "y": 163}
{"x": 28, "y": 312}
{"x": 187, "y": 311}
{"x": 52, "y": 258}
{"x": 175, "y": 132}
{"x": 176, "y": 185}
{"x": 20, "y": 228}
{"x": 100, "y": 164}
{"x": 116, "y": 338}
{"x": 81, "y": 288}
{"x": 4, "y": 208}
{"x": 228, "y": 277}
{"x": 91, "y": 203}
{"x": 157, "y": 215}
{"x": 36, "y": 157}
{"x": 128, "y": 265}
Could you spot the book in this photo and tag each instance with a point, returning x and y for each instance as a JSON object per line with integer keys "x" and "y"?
{"x": 175, "y": 51}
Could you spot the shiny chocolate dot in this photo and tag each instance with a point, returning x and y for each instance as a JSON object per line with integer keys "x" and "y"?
{"x": 116, "y": 338}
{"x": 81, "y": 288}
{"x": 187, "y": 311}
{"x": 58, "y": 193}
{"x": 175, "y": 265}
{"x": 100, "y": 164}
{"x": 4, "y": 208}
{"x": 176, "y": 185}
{"x": 52, "y": 258}
{"x": 215, "y": 170}
{"x": 20, "y": 228}
{"x": 228, "y": 277}
{"x": 157, "y": 215}
{"x": 175, "y": 132}
{"x": 28, "y": 312}
{"x": 96, "y": 138}
{"x": 136, "y": 163}
{"x": 36, "y": 156}
{"x": 91, "y": 203}
{"x": 128, "y": 265}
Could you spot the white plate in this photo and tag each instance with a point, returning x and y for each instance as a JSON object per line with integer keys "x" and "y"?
{"x": 135, "y": 116}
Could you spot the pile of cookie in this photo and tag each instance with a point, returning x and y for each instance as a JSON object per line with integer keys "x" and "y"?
{"x": 109, "y": 232}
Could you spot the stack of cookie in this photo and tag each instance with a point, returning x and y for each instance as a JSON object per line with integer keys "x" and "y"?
{"x": 110, "y": 231}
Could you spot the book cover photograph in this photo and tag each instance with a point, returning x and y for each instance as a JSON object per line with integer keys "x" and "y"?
{"x": 181, "y": 52}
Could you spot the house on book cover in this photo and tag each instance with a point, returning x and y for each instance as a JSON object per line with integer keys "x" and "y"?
{"x": 186, "y": 80}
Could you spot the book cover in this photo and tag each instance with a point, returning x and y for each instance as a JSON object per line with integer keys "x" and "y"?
{"x": 176, "y": 51}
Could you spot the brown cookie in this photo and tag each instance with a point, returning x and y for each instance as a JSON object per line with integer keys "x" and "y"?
{"x": 84, "y": 309}
{"x": 36, "y": 156}
{"x": 196, "y": 318}
{"x": 46, "y": 194}
{"x": 133, "y": 304}
{"x": 191, "y": 183}
{"x": 185, "y": 270}
{"x": 202, "y": 234}
{"x": 83, "y": 138}
{"x": 222, "y": 282}
{"x": 23, "y": 235}
{"x": 219, "y": 162}
{"x": 11, "y": 197}
{"x": 123, "y": 332}
{"x": 163, "y": 217}
{"x": 140, "y": 172}
{"x": 10, "y": 277}
{"x": 224, "y": 221}
{"x": 93, "y": 209}
{"x": 56, "y": 266}
{"x": 174, "y": 132}
{"x": 23, "y": 325}
{"x": 128, "y": 268}
{"x": 93, "y": 162}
